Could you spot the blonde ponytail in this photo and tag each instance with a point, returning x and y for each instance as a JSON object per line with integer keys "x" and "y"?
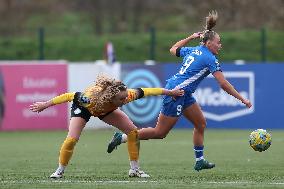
{"x": 208, "y": 33}
{"x": 211, "y": 20}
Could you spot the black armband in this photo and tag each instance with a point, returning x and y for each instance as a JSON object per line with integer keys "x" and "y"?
{"x": 140, "y": 93}
{"x": 178, "y": 51}
{"x": 76, "y": 98}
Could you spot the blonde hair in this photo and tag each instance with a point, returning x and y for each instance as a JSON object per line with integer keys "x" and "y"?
{"x": 208, "y": 33}
{"x": 103, "y": 91}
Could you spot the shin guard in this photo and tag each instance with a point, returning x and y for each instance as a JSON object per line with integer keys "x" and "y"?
{"x": 133, "y": 144}
{"x": 66, "y": 150}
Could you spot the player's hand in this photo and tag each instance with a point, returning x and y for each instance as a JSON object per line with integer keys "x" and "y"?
{"x": 247, "y": 103}
{"x": 38, "y": 106}
{"x": 195, "y": 35}
{"x": 176, "y": 92}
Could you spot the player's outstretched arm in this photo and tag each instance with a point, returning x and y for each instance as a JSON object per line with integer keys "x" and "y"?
{"x": 162, "y": 91}
{"x": 40, "y": 106}
{"x": 183, "y": 42}
{"x": 226, "y": 86}
{"x": 135, "y": 94}
{"x": 173, "y": 92}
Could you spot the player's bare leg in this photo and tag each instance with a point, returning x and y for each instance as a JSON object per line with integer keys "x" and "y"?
{"x": 194, "y": 114}
{"x": 75, "y": 128}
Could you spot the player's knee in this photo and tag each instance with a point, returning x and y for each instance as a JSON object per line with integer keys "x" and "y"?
{"x": 160, "y": 134}
{"x": 201, "y": 126}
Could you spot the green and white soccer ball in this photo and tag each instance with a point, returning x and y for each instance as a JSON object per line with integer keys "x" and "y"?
{"x": 260, "y": 140}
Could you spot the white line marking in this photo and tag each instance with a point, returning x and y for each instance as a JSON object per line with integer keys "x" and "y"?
{"x": 128, "y": 181}
{"x": 72, "y": 181}
{"x": 244, "y": 182}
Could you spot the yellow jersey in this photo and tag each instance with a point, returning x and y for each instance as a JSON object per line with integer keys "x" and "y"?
{"x": 86, "y": 100}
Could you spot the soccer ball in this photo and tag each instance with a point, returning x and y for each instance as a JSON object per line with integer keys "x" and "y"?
{"x": 260, "y": 140}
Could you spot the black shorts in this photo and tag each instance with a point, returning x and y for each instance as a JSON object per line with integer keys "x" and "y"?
{"x": 80, "y": 111}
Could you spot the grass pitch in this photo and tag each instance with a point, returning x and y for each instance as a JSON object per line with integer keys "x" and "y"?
{"x": 28, "y": 158}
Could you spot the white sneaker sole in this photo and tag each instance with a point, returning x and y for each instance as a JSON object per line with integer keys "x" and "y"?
{"x": 55, "y": 176}
{"x": 137, "y": 173}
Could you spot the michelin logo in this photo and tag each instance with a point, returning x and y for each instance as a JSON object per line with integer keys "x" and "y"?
{"x": 217, "y": 105}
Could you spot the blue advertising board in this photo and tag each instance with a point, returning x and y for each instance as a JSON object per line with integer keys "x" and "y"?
{"x": 143, "y": 111}
{"x": 262, "y": 84}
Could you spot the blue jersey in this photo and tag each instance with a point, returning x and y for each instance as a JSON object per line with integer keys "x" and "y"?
{"x": 198, "y": 62}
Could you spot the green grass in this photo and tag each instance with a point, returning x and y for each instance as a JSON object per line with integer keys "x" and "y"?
{"x": 28, "y": 158}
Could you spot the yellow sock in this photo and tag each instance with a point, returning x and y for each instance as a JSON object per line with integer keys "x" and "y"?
{"x": 133, "y": 144}
{"x": 66, "y": 150}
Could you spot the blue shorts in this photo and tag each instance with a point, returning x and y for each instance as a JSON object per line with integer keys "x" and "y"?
{"x": 174, "y": 107}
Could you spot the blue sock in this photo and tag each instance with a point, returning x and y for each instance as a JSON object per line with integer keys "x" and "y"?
{"x": 198, "y": 152}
